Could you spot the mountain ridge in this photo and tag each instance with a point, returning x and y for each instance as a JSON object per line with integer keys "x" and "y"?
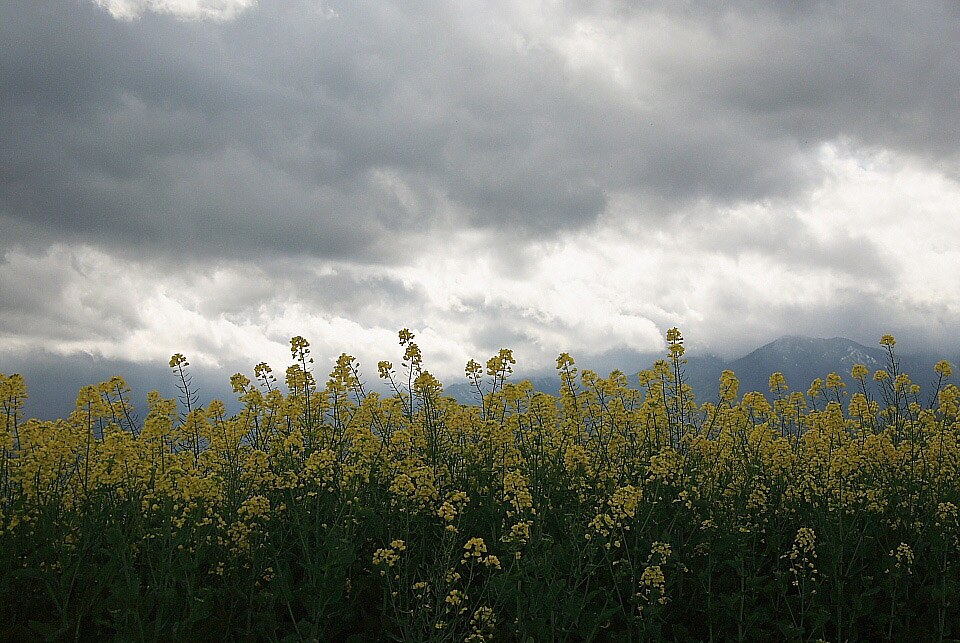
{"x": 52, "y": 381}
{"x": 800, "y": 358}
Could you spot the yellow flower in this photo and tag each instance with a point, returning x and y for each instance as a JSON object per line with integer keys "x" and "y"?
{"x": 729, "y": 385}
{"x": 482, "y": 625}
{"x": 388, "y": 557}
{"x": 492, "y": 561}
{"x": 660, "y": 550}
{"x": 777, "y": 383}
{"x": 815, "y": 387}
{"x": 455, "y": 597}
{"x": 904, "y": 557}
{"x": 299, "y": 348}
{"x": 901, "y": 381}
{"x": 943, "y": 368}
{"x": 564, "y": 361}
{"x": 859, "y": 408}
{"x": 477, "y": 545}
{"x": 834, "y": 381}
{"x": 472, "y": 369}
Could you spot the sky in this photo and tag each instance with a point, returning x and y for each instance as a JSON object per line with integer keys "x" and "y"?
{"x": 213, "y": 177}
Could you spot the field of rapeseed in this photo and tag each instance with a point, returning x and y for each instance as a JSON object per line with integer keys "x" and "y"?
{"x": 608, "y": 513}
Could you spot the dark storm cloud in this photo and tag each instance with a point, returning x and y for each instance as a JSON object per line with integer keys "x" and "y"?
{"x": 159, "y": 132}
{"x": 284, "y": 132}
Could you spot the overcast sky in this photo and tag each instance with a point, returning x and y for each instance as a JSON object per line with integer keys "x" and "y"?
{"x": 213, "y": 177}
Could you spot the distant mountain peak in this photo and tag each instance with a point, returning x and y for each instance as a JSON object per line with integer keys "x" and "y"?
{"x": 800, "y": 358}
{"x": 834, "y": 346}
{"x": 791, "y": 342}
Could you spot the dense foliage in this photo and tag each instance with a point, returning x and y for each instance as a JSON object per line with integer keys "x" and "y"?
{"x": 609, "y": 513}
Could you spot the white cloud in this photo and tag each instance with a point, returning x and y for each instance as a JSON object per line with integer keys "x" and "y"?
{"x": 181, "y": 9}
{"x": 871, "y": 244}
{"x": 540, "y": 175}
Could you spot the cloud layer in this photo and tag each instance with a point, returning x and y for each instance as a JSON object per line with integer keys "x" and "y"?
{"x": 182, "y": 9}
{"x": 214, "y": 176}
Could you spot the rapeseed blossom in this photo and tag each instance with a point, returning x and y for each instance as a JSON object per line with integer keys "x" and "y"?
{"x": 442, "y": 506}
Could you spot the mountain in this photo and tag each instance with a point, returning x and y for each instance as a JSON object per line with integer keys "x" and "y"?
{"x": 466, "y": 394}
{"x": 53, "y": 380}
{"x": 800, "y": 359}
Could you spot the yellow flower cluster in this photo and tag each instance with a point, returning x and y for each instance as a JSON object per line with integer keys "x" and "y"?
{"x": 454, "y": 503}
{"x": 482, "y": 626}
{"x": 600, "y": 452}
{"x": 903, "y": 555}
{"x": 653, "y": 582}
{"x": 455, "y": 598}
{"x": 802, "y": 556}
{"x": 475, "y": 549}
{"x": 389, "y": 556}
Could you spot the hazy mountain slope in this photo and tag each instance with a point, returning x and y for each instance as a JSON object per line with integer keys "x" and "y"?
{"x": 800, "y": 359}
{"x": 53, "y": 381}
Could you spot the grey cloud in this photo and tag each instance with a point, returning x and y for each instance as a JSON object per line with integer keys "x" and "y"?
{"x": 265, "y": 134}
{"x": 787, "y": 239}
{"x": 861, "y": 312}
{"x": 885, "y": 74}
{"x": 261, "y": 292}
{"x": 48, "y": 298}
{"x": 368, "y": 138}
{"x": 349, "y": 296}
{"x": 51, "y": 302}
